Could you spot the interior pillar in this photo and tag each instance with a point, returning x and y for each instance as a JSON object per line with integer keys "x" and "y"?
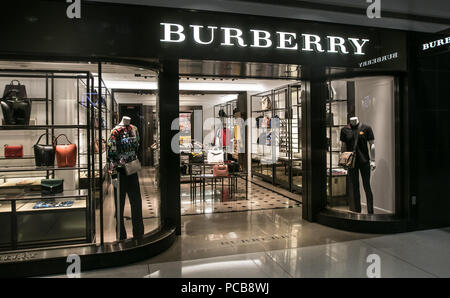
{"x": 169, "y": 166}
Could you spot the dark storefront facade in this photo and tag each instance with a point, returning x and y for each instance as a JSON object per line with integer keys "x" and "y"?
{"x": 327, "y": 55}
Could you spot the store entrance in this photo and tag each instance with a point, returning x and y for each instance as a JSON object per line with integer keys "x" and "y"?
{"x": 239, "y": 137}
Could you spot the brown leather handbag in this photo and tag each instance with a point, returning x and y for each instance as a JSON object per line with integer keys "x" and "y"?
{"x": 66, "y": 155}
{"x": 220, "y": 171}
{"x": 347, "y": 159}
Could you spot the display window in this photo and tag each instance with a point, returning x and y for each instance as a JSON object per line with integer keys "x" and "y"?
{"x": 361, "y": 142}
{"x": 66, "y": 150}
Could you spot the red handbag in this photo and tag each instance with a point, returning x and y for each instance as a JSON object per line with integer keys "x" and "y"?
{"x": 220, "y": 171}
{"x": 66, "y": 155}
{"x": 13, "y": 151}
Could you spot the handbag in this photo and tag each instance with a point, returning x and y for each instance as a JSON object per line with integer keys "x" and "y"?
{"x": 220, "y": 170}
{"x": 330, "y": 119}
{"x": 16, "y": 107}
{"x": 44, "y": 155}
{"x": 215, "y": 156}
{"x": 66, "y": 155}
{"x": 196, "y": 157}
{"x": 132, "y": 167}
{"x": 13, "y": 151}
{"x": 233, "y": 167}
{"x": 222, "y": 113}
{"x": 347, "y": 159}
{"x": 52, "y": 186}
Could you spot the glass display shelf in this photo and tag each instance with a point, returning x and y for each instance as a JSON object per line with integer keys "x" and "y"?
{"x": 7, "y": 169}
{"x": 39, "y": 196}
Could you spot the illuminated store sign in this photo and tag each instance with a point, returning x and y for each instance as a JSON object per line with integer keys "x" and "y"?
{"x": 234, "y": 37}
{"x": 436, "y": 43}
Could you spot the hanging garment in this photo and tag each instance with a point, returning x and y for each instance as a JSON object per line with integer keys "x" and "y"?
{"x": 123, "y": 145}
{"x": 223, "y": 137}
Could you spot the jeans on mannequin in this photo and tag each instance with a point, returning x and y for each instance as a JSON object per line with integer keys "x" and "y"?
{"x": 355, "y": 196}
{"x": 130, "y": 185}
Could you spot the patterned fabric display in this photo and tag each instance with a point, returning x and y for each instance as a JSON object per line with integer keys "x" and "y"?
{"x": 123, "y": 145}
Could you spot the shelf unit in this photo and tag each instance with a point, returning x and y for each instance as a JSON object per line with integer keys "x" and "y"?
{"x": 338, "y": 107}
{"x": 22, "y": 225}
{"x": 278, "y": 158}
{"x": 228, "y": 123}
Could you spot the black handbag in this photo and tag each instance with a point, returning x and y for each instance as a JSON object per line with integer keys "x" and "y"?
{"x": 233, "y": 167}
{"x": 16, "y": 107}
{"x": 44, "y": 155}
{"x": 52, "y": 186}
{"x": 196, "y": 157}
{"x": 222, "y": 113}
{"x": 330, "y": 119}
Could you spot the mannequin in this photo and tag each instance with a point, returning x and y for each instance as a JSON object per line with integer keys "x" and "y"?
{"x": 125, "y": 121}
{"x": 354, "y": 121}
{"x": 365, "y": 161}
{"x": 123, "y": 145}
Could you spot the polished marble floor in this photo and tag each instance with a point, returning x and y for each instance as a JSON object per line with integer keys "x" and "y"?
{"x": 409, "y": 255}
{"x": 278, "y": 243}
{"x": 221, "y": 200}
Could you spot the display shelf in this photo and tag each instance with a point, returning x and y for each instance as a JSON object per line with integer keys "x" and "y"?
{"x": 17, "y": 158}
{"x": 286, "y": 107}
{"x": 41, "y": 127}
{"x": 28, "y": 207}
{"x": 38, "y": 196}
{"x": 5, "y": 169}
{"x": 336, "y": 100}
{"x": 57, "y": 115}
{"x": 39, "y": 99}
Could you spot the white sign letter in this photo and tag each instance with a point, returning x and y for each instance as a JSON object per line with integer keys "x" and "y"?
{"x": 286, "y": 41}
{"x": 168, "y": 32}
{"x": 228, "y": 36}
{"x": 257, "y": 37}
{"x": 196, "y": 29}
{"x": 308, "y": 40}
{"x": 355, "y": 42}
{"x": 336, "y": 42}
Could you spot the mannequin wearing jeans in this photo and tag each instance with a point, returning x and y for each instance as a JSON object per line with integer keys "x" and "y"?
{"x": 123, "y": 145}
{"x": 364, "y": 164}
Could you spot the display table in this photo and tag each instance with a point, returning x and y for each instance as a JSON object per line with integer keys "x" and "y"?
{"x": 199, "y": 177}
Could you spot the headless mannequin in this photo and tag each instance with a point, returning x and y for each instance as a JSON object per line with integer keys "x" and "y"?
{"x": 364, "y": 170}
{"x": 129, "y": 185}
{"x": 125, "y": 121}
{"x": 354, "y": 121}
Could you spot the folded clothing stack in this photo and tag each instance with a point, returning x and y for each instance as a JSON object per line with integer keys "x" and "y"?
{"x": 47, "y": 204}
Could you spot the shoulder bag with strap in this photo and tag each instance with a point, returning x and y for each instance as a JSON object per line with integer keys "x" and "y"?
{"x": 348, "y": 159}
{"x": 44, "y": 155}
{"x": 66, "y": 155}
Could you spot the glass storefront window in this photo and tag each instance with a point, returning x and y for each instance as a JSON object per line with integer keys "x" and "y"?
{"x": 360, "y": 118}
